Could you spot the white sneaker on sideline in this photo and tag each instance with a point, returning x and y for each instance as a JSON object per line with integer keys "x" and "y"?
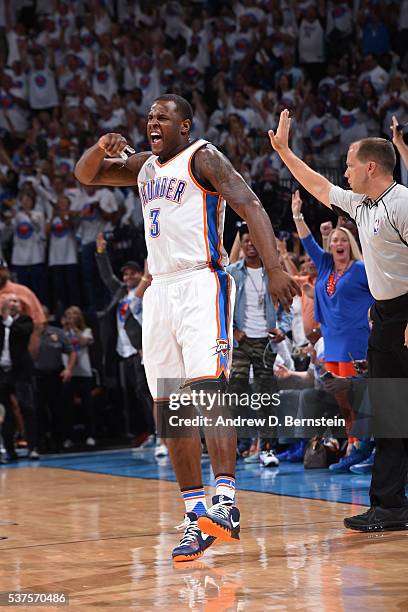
{"x": 33, "y": 455}
{"x": 90, "y": 441}
{"x": 161, "y": 451}
{"x": 268, "y": 459}
{"x": 68, "y": 444}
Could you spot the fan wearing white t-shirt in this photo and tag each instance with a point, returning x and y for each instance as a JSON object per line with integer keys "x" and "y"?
{"x": 63, "y": 254}
{"x": 96, "y": 209}
{"x": 321, "y": 133}
{"x": 241, "y": 41}
{"x": 239, "y": 105}
{"x": 255, "y": 321}
{"x": 42, "y": 89}
{"x": 13, "y": 118}
{"x": 351, "y": 122}
{"x": 147, "y": 79}
{"x": 29, "y": 246}
{"x": 104, "y": 81}
{"x": 199, "y": 36}
{"x": 374, "y": 74}
{"x": 80, "y": 337}
{"x": 19, "y": 80}
{"x": 311, "y": 45}
{"x": 254, "y": 318}
{"x": 256, "y": 335}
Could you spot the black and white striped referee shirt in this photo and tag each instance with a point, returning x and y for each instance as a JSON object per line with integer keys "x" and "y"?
{"x": 383, "y": 230}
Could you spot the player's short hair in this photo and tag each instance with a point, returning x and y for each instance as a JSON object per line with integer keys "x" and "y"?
{"x": 379, "y": 150}
{"x": 183, "y": 106}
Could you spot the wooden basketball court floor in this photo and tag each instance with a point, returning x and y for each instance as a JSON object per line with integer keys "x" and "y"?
{"x": 100, "y": 528}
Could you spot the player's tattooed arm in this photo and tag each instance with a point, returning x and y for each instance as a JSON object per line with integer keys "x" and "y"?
{"x": 94, "y": 169}
{"x": 212, "y": 167}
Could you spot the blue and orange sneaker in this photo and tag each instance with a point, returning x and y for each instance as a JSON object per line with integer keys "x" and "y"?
{"x": 221, "y": 520}
{"x": 193, "y": 544}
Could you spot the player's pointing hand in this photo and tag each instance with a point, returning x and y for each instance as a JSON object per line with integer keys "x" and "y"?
{"x": 113, "y": 144}
{"x": 282, "y": 288}
{"x": 280, "y": 140}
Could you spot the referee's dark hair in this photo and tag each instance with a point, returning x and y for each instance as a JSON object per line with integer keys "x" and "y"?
{"x": 379, "y": 150}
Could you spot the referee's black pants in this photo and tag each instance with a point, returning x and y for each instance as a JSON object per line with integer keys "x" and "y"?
{"x": 388, "y": 358}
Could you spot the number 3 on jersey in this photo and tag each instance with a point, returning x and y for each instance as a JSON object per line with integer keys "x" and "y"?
{"x": 155, "y": 225}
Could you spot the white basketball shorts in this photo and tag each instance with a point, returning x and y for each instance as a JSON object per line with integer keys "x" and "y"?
{"x": 187, "y": 329}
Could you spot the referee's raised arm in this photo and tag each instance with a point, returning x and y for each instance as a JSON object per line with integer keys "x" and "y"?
{"x": 312, "y": 181}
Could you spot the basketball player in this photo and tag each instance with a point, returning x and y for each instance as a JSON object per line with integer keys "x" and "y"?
{"x": 380, "y": 209}
{"x": 187, "y": 326}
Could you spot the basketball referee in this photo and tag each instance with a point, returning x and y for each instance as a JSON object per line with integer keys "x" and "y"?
{"x": 379, "y": 206}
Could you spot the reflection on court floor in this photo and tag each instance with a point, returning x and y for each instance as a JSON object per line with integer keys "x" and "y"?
{"x": 102, "y": 529}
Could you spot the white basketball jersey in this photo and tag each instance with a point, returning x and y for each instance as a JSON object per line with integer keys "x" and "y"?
{"x": 183, "y": 222}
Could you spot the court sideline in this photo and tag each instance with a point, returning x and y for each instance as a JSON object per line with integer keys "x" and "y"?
{"x": 106, "y": 540}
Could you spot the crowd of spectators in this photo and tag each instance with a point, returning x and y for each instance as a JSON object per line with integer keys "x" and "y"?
{"x": 73, "y": 70}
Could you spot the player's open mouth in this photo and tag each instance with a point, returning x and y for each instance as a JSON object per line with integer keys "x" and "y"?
{"x": 155, "y": 138}
{"x": 340, "y": 250}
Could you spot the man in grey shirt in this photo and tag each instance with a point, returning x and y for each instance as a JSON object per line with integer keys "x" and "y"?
{"x": 380, "y": 209}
